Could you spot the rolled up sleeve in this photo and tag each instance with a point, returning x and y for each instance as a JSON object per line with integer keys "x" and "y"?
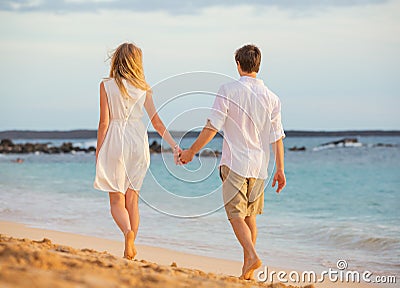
{"x": 276, "y": 130}
{"x": 219, "y": 110}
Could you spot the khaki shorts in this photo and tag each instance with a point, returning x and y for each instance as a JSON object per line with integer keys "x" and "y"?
{"x": 238, "y": 191}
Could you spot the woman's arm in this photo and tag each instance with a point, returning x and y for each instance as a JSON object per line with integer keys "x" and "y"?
{"x": 156, "y": 121}
{"x": 104, "y": 119}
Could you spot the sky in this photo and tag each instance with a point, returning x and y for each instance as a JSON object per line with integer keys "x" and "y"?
{"x": 334, "y": 64}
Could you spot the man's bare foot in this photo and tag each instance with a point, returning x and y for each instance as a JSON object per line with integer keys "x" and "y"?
{"x": 248, "y": 269}
{"x": 130, "y": 249}
{"x": 242, "y": 277}
{"x": 244, "y": 265}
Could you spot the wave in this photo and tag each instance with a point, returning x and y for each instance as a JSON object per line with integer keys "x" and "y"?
{"x": 353, "y": 239}
{"x": 85, "y": 144}
{"x": 378, "y": 243}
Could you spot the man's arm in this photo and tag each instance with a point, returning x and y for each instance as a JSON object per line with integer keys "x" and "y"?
{"x": 279, "y": 176}
{"x": 206, "y": 135}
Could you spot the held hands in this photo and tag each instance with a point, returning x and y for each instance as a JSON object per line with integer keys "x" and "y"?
{"x": 186, "y": 156}
{"x": 182, "y": 157}
{"x": 280, "y": 178}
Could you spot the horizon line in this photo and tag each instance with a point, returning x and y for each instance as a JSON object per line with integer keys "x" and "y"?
{"x": 182, "y": 131}
{"x": 92, "y": 134}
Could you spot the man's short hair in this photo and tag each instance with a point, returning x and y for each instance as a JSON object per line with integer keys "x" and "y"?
{"x": 249, "y": 58}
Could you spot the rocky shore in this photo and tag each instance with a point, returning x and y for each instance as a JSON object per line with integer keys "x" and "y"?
{"x": 8, "y": 147}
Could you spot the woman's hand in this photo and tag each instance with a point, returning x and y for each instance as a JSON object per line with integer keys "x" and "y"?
{"x": 177, "y": 153}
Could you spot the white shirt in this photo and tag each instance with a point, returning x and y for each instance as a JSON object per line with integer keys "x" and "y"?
{"x": 250, "y": 116}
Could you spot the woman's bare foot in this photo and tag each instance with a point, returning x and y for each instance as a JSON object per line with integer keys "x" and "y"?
{"x": 130, "y": 249}
{"x": 249, "y": 267}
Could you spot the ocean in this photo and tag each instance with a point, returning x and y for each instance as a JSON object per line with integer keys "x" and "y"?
{"x": 340, "y": 203}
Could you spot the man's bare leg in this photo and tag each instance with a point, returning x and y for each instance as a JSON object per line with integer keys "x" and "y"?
{"x": 251, "y": 223}
{"x": 243, "y": 234}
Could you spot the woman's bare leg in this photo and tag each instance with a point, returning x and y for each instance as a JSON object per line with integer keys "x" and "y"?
{"x": 119, "y": 212}
{"x": 121, "y": 217}
{"x": 132, "y": 206}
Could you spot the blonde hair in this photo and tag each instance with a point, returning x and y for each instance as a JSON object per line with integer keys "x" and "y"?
{"x": 126, "y": 63}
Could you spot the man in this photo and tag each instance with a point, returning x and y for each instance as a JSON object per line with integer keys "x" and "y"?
{"x": 250, "y": 116}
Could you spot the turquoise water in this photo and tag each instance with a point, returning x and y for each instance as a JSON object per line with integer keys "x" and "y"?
{"x": 340, "y": 203}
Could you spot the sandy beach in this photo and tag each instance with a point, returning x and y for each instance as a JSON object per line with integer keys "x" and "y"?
{"x": 48, "y": 258}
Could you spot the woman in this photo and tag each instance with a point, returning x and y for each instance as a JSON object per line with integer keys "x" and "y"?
{"x": 122, "y": 154}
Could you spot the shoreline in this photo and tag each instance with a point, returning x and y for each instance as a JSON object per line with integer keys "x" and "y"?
{"x": 161, "y": 256}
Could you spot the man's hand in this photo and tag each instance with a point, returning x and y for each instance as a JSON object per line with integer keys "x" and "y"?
{"x": 281, "y": 179}
{"x": 205, "y": 136}
{"x": 186, "y": 156}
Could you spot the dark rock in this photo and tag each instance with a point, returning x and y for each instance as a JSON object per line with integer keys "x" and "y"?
{"x": 67, "y": 147}
{"x": 91, "y": 149}
{"x": 41, "y": 147}
{"x": 6, "y": 143}
{"x": 383, "y": 145}
{"x": 209, "y": 153}
{"x": 168, "y": 150}
{"x": 155, "y": 147}
{"x": 16, "y": 149}
{"x": 345, "y": 142}
{"x": 28, "y": 148}
{"x": 295, "y": 148}
{"x": 54, "y": 150}
{"x": 341, "y": 141}
{"x": 79, "y": 149}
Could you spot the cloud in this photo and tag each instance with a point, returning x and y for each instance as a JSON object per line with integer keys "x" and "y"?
{"x": 171, "y": 6}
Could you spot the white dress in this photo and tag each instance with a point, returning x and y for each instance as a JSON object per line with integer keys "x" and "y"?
{"x": 124, "y": 157}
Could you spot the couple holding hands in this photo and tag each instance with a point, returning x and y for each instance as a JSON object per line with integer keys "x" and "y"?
{"x": 246, "y": 111}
